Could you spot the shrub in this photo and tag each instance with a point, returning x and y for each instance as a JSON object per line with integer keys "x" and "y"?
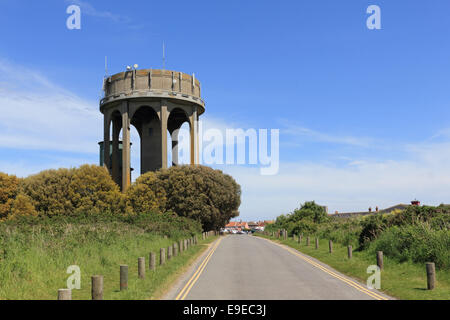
{"x": 305, "y": 219}
{"x": 9, "y": 186}
{"x": 373, "y": 226}
{"x": 146, "y": 194}
{"x": 197, "y": 192}
{"x": 88, "y": 189}
{"x": 49, "y": 191}
{"x": 92, "y": 190}
{"x": 22, "y": 206}
{"x": 417, "y": 243}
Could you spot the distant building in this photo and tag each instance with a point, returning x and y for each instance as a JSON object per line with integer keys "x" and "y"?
{"x": 236, "y": 226}
{"x": 400, "y": 206}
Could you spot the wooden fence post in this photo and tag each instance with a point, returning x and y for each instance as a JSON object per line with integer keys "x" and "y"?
{"x": 349, "y": 251}
{"x": 97, "y": 287}
{"x": 175, "y": 249}
{"x": 64, "y": 294}
{"x": 141, "y": 267}
{"x": 180, "y": 246}
{"x": 169, "y": 252}
{"x": 317, "y": 243}
{"x": 123, "y": 277}
{"x": 152, "y": 261}
{"x": 380, "y": 259}
{"x": 300, "y": 238}
{"x": 431, "y": 275}
{"x": 162, "y": 256}
{"x": 330, "y": 245}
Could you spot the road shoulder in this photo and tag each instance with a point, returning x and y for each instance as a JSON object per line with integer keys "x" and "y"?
{"x": 328, "y": 269}
{"x": 186, "y": 273}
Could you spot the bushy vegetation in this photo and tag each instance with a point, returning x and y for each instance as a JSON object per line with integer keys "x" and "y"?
{"x": 195, "y": 192}
{"x": 78, "y": 216}
{"x": 87, "y": 189}
{"x": 9, "y": 187}
{"x": 416, "y": 234}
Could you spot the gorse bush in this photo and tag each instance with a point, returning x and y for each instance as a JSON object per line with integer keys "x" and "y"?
{"x": 49, "y": 191}
{"x": 9, "y": 187}
{"x": 88, "y": 189}
{"x": 146, "y": 194}
{"x": 22, "y": 206}
{"x": 91, "y": 190}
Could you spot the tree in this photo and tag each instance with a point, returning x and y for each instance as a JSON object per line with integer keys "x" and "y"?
{"x": 197, "y": 192}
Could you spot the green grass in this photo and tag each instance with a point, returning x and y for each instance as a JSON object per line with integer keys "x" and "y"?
{"x": 34, "y": 259}
{"x": 38, "y": 274}
{"x": 400, "y": 280}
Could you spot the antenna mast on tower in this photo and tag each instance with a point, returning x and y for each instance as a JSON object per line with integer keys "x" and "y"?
{"x": 106, "y": 66}
{"x": 164, "y": 56}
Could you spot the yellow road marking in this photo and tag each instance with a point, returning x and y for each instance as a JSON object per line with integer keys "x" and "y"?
{"x": 183, "y": 293}
{"x": 337, "y": 276}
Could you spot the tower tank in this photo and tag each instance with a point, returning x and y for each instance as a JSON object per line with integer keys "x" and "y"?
{"x": 157, "y": 103}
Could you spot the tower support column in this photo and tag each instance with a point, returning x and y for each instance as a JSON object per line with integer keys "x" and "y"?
{"x": 126, "y": 174}
{"x": 164, "y": 116}
{"x": 106, "y": 138}
{"x": 174, "y": 136}
{"x": 115, "y": 151}
{"x": 193, "y": 135}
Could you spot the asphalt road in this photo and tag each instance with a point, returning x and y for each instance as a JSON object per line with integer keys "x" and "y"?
{"x": 243, "y": 267}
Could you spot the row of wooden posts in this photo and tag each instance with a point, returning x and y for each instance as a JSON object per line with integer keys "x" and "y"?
{"x": 172, "y": 251}
{"x": 430, "y": 266}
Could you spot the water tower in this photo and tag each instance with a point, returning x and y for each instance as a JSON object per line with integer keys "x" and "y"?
{"x": 156, "y": 102}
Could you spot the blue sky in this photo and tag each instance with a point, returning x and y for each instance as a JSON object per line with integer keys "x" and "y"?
{"x": 363, "y": 114}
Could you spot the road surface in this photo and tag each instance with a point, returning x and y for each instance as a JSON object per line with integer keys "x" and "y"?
{"x": 244, "y": 267}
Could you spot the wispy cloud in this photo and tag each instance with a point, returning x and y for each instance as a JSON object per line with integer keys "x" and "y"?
{"x": 316, "y": 136}
{"x": 350, "y": 188}
{"x": 38, "y": 114}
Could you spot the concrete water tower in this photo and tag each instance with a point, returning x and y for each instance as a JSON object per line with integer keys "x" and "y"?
{"x": 156, "y": 102}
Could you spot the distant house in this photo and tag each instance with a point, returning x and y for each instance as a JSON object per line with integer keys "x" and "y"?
{"x": 400, "y": 206}
{"x": 241, "y": 225}
{"x": 236, "y": 226}
{"x": 252, "y": 224}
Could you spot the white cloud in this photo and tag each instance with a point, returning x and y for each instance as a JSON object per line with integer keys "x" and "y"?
{"x": 355, "y": 187}
{"x": 315, "y": 136}
{"x": 37, "y": 114}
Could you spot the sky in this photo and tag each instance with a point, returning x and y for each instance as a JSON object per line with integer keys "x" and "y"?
{"x": 363, "y": 115}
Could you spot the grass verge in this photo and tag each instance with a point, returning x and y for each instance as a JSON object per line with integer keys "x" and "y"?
{"x": 406, "y": 281}
{"x": 34, "y": 258}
